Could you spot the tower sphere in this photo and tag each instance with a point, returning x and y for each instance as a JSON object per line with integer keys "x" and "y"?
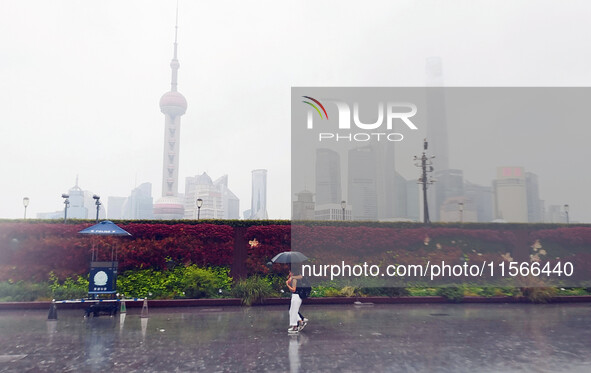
{"x": 173, "y": 103}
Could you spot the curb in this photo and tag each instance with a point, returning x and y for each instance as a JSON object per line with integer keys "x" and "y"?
{"x": 234, "y": 302}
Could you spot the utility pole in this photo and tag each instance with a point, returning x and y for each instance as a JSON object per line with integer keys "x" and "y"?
{"x": 426, "y": 164}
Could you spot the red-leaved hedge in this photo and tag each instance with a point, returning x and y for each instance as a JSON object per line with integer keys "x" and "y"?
{"x": 31, "y": 250}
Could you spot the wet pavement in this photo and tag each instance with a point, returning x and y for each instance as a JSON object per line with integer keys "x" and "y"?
{"x": 340, "y": 338}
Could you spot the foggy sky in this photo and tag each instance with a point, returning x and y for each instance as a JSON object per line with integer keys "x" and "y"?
{"x": 80, "y": 84}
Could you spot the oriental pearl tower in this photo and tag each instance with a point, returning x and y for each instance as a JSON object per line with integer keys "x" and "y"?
{"x": 173, "y": 105}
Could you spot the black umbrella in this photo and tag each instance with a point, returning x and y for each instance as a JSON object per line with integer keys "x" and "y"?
{"x": 289, "y": 257}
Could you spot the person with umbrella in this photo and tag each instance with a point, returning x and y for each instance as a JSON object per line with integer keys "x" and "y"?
{"x": 295, "y": 324}
{"x": 297, "y": 320}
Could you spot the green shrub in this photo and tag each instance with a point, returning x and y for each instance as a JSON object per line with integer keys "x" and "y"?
{"x": 385, "y": 291}
{"x": 69, "y": 288}
{"x": 489, "y": 292}
{"x": 349, "y": 291}
{"x": 324, "y": 291}
{"x": 24, "y": 291}
{"x": 278, "y": 283}
{"x": 539, "y": 294}
{"x": 422, "y": 291}
{"x": 253, "y": 290}
{"x": 144, "y": 283}
{"x": 204, "y": 282}
{"x": 452, "y": 293}
{"x": 332, "y": 292}
{"x": 572, "y": 291}
{"x": 535, "y": 289}
{"x": 180, "y": 282}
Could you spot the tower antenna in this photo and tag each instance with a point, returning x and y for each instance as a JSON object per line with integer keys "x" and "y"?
{"x": 176, "y": 26}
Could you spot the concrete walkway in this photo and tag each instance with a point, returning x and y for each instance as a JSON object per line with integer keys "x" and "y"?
{"x": 339, "y": 338}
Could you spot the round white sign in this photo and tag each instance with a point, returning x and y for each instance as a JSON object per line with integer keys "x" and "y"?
{"x": 100, "y": 278}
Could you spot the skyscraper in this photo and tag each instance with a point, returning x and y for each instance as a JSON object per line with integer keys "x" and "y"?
{"x": 218, "y": 200}
{"x": 328, "y": 176}
{"x": 303, "y": 206}
{"x": 115, "y": 207}
{"x": 535, "y": 206}
{"x": 82, "y": 206}
{"x": 450, "y": 184}
{"x": 438, "y": 140}
{"x": 362, "y": 183}
{"x": 436, "y": 115}
{"x": 78, "y": 209}
{"x": 139, "y": 205}
{"x": 258, "y": 205}
{"x": 510, "y": 195}
{"x": 173, "y": 105}
{"x": 483, "y": 200}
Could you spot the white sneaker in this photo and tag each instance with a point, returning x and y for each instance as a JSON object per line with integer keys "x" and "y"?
{"x": 305, "y": 320}
{"x": 293, "y": 330}
{"x": 302, "y": 325}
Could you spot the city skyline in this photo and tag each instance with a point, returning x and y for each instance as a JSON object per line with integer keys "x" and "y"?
{"x": 524, "y": 130}
{"x": 81, "y": 83}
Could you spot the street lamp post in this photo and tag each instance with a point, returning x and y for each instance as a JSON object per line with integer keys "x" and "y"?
{"x": 461, "y": 207}
{"x": 426, "y": 164}
{"x": 199, "y": 204}
{"x": 26, "y": 201}
{"x": 343, "y": 206}
{"x": 66, "y": 205}
{"x": 98, "y": 205}
{"x": 566, "y": 208}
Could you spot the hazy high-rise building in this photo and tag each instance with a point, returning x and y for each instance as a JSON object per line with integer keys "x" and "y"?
{"x": 328, "y": 176}
{"x": 362, "y": 183}
{"x": 413, "y": 205}
{"x": 173, "y": 105}
{"x": 458, "y": 209}
{"x": 115, "y": 207}
{"x": 510, "y": 195}
{"x": 303, "y": 206}
{"x": 555, "y": 214}
{"x": 332, "y": 211}
{"x": 437, "y": 136}
{"x": 388, "y": 188}
{"x": 483, "y": 198}
{"x": 449, "y": 184}
{"x": 139, "y": 204}
{"x": 218, "y": 200}
{"x": 436, "y": 114}
{"x": 535, "y": 207}
{"x": 82, "y": 206}
{"x": 78, "y": 208}
{"x": 258, "y": 204}
{"x": 401, "y": 197}
{"x": 230, "y": 202}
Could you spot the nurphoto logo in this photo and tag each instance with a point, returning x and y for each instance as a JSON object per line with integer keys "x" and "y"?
{"x": 387, "y": 112}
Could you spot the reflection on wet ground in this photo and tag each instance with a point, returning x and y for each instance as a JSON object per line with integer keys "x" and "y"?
{"x": 385, "y": 338}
